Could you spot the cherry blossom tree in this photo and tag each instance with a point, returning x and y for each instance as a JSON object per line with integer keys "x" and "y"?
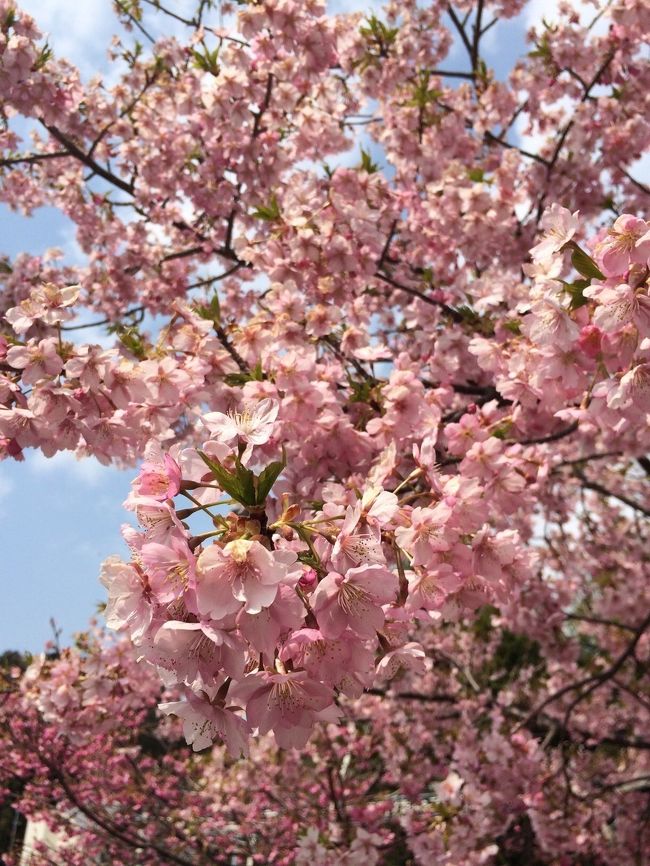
{"x": 386, "y": 365}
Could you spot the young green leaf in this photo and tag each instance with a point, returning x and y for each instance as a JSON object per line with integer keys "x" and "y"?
{"x": 585, "y": 265}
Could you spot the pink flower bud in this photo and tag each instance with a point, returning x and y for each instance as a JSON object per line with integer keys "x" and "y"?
{"x": 308, "y": 580}
{"x": 590, "y": 341}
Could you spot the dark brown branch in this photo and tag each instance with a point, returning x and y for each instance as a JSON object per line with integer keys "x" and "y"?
{"x": 644, "y": 463}
{"x": 33, "y": 158}
{"x": 603, "y": 491}
{"x": 477, "y": 35}
{"x": 589, "y": 457}
{"x": 257, "y": 123}
{"x": 228, "y": 346}
{"x": 596, "y": 620}
{"x": 110, "y": 826}
{"x": 567, "y": 128}
{"x": 414, "y": 696}
{"x": 453, "y": 314}
{"x": 135, "y": 311}
{"x": 634, "y": 181}
{"x": 490, "y": 137}
{"x": 88, "y": 161}
{"x": 552, "y": 437}
{"x": 134, "y": 21}
{"x": 591, "y": 682}
{"x": 444, "y": 73}
{"x": 460, "y": 28}
{"x": 335, "y": 346}
{"x": 389, "y": 240}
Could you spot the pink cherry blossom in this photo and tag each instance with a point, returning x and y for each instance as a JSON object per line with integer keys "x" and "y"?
{"x": 286, "y": 703}
{"x": 559, "y": 225}
{"x": 243, "y": 574}
{"x": 253, "y": 425}
{"x": 353, "y": 600}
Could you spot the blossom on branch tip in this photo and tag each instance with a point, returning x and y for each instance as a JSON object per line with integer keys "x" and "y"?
{"x": 242, "y": 575}
{"x": 354, "y": 600}
{"x": 253, "y": 425}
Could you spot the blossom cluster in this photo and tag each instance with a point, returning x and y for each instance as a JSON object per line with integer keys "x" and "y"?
{"x": 278, "y": 608}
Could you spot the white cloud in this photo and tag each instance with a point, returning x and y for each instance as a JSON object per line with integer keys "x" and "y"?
{"x": 548, "y": 10}
{"x": 344, "y": 7}
{"x": 81, "y": 31}
{"x": 78, "y": 31}
{"x": 87, "y": 470}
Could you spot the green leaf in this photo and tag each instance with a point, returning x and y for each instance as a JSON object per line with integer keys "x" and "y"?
{"x": 513, "y": 325}
{"x": 427, "y": 275}
{"x": 585, "y": 265}
{"x": 267, "y": 479}
{"x": 482, "y": 626}
{"x": 236, "y": 379}
{"x": 270, "y": 211}
{"x": 211, "y": 311}
{"x": 243, "y": 485}
{"x": 130, "y": 338}
{"x": 576, "y": 290}
{"x": 375, "y": 30}
{"x": 43, "y": 57}
{"x": 367, "y": 163}
{"x": 482, "y": 324}
{"x": 208, "y": 61}
{"x": 502, "y": 431}
{"x": 482, "y": 71}
{"x": 422, "y": 95}
{"x": 246, "y": 480}
{"x": 228, "y": 481}
{"x": 476, "y": 174}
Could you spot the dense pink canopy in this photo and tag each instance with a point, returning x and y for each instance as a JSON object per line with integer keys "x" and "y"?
{"x": 393, "y": 414}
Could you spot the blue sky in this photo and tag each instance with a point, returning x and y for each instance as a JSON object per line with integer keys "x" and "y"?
{"x": 61, "y": 517}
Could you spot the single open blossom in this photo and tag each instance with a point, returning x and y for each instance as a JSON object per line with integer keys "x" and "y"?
{"x": 129, "y": 604}
{"x": 426, "y": 533}
{"x": 378, "y": 506}
{"x": 242, "y": 574}
{"x": 286, "y": 703}
{"x": 157, "y": 517}
{"x": 159, "y": 479}
{"x": 346, "y": 663}
{"x": 171, "y": 568}
{"x": 626, "y": 243}
{"x": 548, "y": 323}
{"x": 253, "y": 425}
{"x": 429, "y": 587}
{"x": 204, "y": 721}
{"x": 559, "y": 225}
{"x": 632, "y": 390}
{"x": 410, "y": 657}
{"x": 37, "y": 362}
{"x": 620, "y": 305}
{"x": 47, "y": 303}
{"x": 358, "y": 542}
{"x": 263, "y": 630}
{"x": 491, "y": 553}
{"x": 189, "y": 650}
{"x": 354, "y": 600}
{"x": 450, "y": 787}
{"x": 590, "y": 341}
